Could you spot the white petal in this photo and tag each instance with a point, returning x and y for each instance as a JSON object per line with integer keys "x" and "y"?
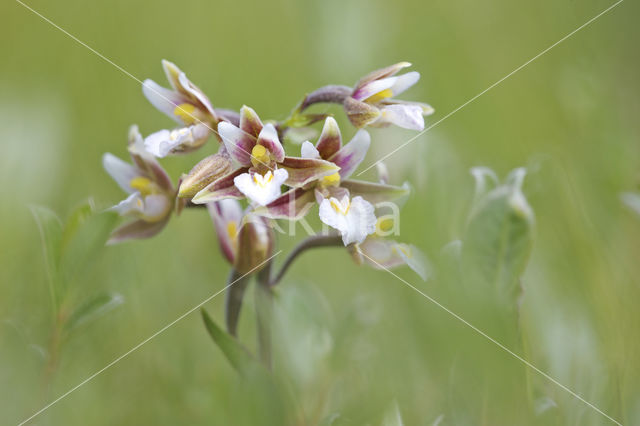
{"x": 354, "y": 223}
{"x": 165, "y": 100}
{"x": 414, "y": 259}
{"x": 238, "y": 145}
{"x": 159, "y": 143}
{"x": 362, "y": 220}
{"x": 136, "y": 143}
{"x": 155, "y": 207}
{"x": 261, "y": 194}
{"x": 121, "y": 171}
{"x": 308, "y": 150}
{"x": 165, "y": 142}
{"x": 191, "y": 88}
{"x": 403, "y": 115}
{"x": 376, "y": 86}
{"x": 132, "y": 204}
{"x": 405, "y": 81}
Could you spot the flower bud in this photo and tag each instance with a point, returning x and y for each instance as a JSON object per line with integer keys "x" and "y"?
{"x": 255, "y": 243}
{"x": 360, "y": 113}
{"x": 206, "y": 171}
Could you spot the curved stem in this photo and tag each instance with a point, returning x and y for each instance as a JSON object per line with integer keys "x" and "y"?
{"x": 309, "y": 243}
{"x": 328, "y": 94}
{"x": 233, "y": 300}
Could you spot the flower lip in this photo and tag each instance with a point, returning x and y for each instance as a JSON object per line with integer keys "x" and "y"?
{"x": 261, "y": 189}
{"x": 354, "y": 218}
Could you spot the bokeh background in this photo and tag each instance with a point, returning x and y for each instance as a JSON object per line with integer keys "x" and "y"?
{"x": 352, "y": 343}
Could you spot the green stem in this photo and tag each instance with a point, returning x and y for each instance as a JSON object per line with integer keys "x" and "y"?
{"x": 264, "y": 317}
{"x": 309, "y": 243}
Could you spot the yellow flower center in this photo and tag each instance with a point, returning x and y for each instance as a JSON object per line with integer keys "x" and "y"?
{"x": 331, "y": 180}
{"x": 384, "y": 94}
{"x": 232, "y": 230}
{"x": 142, "y": 185}
{"x": 186, "y": 113}
{"x": 340, "y": 207}
{"x": 262, "y": 181}
{"x": 260, "y": 156}
{"x": 384, "y": 225}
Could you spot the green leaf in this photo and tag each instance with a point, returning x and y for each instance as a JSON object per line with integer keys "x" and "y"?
{"x": 76, "y": 219}
{"x": 93, "y": 309}
{"x": 498, "y": 240}
{"x": 238, "y": 356}
{"x": 87, "y": 240}
{"x": 51, "y": 235}
{"x": 393, "y": 417}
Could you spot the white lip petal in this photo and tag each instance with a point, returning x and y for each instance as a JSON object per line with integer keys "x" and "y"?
{"x": 132, "y": 204}
{"x": 165, "y": 142}
{"x": 160, "y": 143}
{"x": 150, "y": 208}
{"x": 155, "y": 207}
{"x": 354, "y": 219}
{"x": 308, "y": 150}
{"x": 261, "y": 189}
{"x": 121, "y": 171}
{"x": 403, "y": 115}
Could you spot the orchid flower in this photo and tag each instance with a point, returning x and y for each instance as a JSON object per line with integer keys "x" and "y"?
{"x": 382, "y": 253}
{"x": 371, "y": 102}
{"x": 186, "y": 104}
{"x": 151, "y": 194}
{"x": 262, "y": 167}
{"x": 353, "y": 217}
{"x": 246, "y": 240}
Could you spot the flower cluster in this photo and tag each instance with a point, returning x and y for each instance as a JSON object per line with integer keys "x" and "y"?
{"x": 251, "y": 168}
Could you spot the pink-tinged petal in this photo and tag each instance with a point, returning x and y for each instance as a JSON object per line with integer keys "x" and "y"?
{"x": 379, "y": 253}
{"x": 138, "y": 229}
{"x": 352, "y": 154}
{"x": 268, "y": 138}
{"x": 292, "y": 205}
{"x": 405, "y": 116}
{"x": 173, "y": 73}
{"x": 304, "y": 170}
{"x": 375, "y": 192}
{"x": 330, "y": 140}
{"x": 237, "y": 143}
{"x": 220, "y": 189}
{"x": 382, "y": 73}
{"x": 373, "y": 88}
{"x": 163, "y": 99}
{"x": 360, "y": 113}
{"x": 404, "y": 81}
{"x": 387, "y": 254}
{"x": 121, "y": 171}
{"x": 227, "y": 217}
{"x": 250, "y": 122}
{"x": 196, "y": 94}
{"x": 231, "y": 116}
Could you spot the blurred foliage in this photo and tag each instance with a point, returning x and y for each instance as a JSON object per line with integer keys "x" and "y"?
{"x": 350, "y": 344}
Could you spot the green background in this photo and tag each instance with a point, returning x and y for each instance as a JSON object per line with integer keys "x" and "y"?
{"x": 352, "y": 340}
